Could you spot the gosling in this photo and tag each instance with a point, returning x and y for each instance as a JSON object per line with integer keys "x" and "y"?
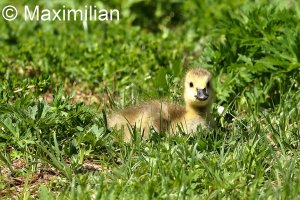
{"x": 167, "y": 117}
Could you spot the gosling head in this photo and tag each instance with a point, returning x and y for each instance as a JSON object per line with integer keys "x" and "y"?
{"x": 198, "y": 91}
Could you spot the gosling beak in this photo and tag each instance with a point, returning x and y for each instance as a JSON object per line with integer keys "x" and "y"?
{"x": 201, "y": 94}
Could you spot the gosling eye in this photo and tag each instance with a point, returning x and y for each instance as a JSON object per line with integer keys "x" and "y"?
{"x": 208, "y": 84}
{"x": 191, "y": 84}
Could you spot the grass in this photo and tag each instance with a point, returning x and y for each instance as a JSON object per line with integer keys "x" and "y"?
{"x": 59, "y": 80}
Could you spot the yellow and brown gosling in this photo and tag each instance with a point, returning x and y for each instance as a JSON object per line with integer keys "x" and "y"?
{"x": 169, "y": 117}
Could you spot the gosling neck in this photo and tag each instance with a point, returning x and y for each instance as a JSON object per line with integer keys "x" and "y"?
{"x": 198, "y": 110}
